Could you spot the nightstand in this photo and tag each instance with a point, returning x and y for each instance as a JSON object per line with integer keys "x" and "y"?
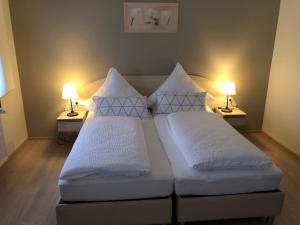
{"x": 237, "y": 118}
{"x": 66, "y": 124}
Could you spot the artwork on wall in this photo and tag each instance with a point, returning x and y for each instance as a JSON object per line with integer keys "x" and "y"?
{"x": 151, "y": 17}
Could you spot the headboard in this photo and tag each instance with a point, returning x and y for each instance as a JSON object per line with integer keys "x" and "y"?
{"x": 146, "y": 85}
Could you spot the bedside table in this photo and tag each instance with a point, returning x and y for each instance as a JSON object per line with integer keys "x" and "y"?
{"x": 66, "y": 124}
{"x": 237, "y": 118}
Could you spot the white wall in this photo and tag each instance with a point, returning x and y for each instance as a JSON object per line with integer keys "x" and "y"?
{"x": 282, "y": 112}
{"x": 13, "y": 122}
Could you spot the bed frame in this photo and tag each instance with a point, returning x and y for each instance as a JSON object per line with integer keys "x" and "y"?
{"x": 131, "y": 212}
{"x": 261, "y": 204}
{"x": 159, "y": 211}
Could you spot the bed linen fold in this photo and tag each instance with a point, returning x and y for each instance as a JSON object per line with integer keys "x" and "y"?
{"x": 207, "y": 142}
{"x": 108, "y": 146}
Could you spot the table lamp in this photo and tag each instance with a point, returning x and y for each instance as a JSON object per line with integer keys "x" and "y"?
{"x": 227, "y": 88}
{"x": 69, "y": 93}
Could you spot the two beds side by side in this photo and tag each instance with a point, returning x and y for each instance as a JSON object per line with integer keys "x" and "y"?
{"x": 199, "y": 195}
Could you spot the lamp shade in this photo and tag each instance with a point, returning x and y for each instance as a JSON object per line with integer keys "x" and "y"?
{"x": 69, "y": 91}
{"x": 228, "y": 88}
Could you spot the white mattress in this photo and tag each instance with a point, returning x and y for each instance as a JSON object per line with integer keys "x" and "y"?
{"x": 189, "y": 181}
{"x": 159, "y": 183}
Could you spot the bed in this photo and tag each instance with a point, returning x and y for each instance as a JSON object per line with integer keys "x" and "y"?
{"x": 119, "y": 200}
{"x": 212, "y": 195}
{"x": 212, "y": 199}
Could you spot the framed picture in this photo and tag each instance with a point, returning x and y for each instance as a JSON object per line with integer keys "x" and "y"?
{"x": 150, "y": 17}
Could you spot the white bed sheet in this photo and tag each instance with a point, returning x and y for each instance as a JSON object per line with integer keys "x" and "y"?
{"x": 158, "y": 183}
{"x": 189, "y": 181}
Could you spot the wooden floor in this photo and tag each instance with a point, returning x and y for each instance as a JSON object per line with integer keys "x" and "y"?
{"x": 29, "y": 193}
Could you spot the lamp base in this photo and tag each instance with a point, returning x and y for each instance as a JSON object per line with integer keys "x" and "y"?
{"x": 226, "y": 110}
{"x": 71, "y": 114}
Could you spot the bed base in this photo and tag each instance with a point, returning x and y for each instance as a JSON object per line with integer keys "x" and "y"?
{"x": 132, "y": 212}
{"x": 263, "y": 204}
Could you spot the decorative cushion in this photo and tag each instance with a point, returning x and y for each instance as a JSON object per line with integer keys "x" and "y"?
{"x": 180, "y": 102}
{"x": 122, "y": 106}
{"x": 178, "y": 81}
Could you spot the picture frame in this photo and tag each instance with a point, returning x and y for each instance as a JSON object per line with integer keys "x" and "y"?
{"x": 150, "y": 17}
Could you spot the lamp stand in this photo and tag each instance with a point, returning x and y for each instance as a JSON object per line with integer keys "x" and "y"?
{"x": 227, "y": 109}
{"x": 72, "y": 113}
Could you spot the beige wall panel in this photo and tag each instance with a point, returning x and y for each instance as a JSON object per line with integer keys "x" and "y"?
{"x": 281, "y": 120}
{"x": 60, "y": 41}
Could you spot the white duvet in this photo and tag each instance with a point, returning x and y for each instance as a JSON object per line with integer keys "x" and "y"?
{"x": 207, "y": 142}
{"x": 108, "y": 146}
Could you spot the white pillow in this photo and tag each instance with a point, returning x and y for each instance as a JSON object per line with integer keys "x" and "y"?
{"x": 114, "y": 86}
{"x": 178, "y": 81}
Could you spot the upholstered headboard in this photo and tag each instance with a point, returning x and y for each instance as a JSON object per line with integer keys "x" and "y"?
{"x": 146, "y": 85}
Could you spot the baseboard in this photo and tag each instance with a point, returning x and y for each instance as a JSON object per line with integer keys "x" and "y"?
{"x": 9, "y": 154}
{"x": 42, "y": 138}
{"x": 253, "y": 131}
{"x": 3, "y": 161}
{"x": 20, "y": 146}
{"x": 283, "y": 146}
{"x": 17, "y": 147}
